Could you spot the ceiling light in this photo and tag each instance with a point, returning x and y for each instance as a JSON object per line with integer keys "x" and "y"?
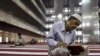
{"x": 85, "y": 24}
{"x": 78, "y": 32}
{"x": 53, "y": 16}
{"x": 46, "y": 32}
{"x": 66, "y": 10}
{"x": 69, "y": 10}
{"x": 59, "y": 15}
{"x": 80, "y": 3}
{"x": 49, "y": 25}
{"x": 85, "y": 40}
{"x": 85, "y": 1}
{"x": 51, "y": 11}
{"x": 66, "y": 18}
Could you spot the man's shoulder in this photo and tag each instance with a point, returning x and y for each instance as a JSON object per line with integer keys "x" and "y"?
{"x": 74, "y": 31}
{"x": 58, "y": 22}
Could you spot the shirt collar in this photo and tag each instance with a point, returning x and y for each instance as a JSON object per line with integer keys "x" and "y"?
{"x": 63, "y": 27}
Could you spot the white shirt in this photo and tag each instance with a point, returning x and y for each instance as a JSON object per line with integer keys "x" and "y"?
{"x": 58, "y": 33}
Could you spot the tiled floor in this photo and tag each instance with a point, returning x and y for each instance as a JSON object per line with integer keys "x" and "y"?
{"x": 38, "y": 50}
{"x": 94, "y": 50}
{"x": 27, "y": 50}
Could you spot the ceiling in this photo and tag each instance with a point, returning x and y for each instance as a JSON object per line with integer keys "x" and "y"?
{"x": 39, "y": 10}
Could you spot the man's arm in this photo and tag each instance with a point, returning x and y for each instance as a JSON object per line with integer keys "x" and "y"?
{"x": 51, "y": 37}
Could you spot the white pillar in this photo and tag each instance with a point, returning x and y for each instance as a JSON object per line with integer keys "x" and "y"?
{"x": 90, "y": 21}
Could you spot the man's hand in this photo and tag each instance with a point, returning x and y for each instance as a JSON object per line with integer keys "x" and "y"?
{"x": 61, "y": 44}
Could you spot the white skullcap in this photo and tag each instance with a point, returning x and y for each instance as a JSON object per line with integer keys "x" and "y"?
{"x": 77, "y": 16}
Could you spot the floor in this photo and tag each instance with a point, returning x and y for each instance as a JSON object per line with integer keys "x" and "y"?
{"x": 37, "y": 50}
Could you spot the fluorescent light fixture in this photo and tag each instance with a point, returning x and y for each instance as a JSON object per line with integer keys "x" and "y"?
{"x": 49, "y": 19}
{"x": 89, "y": 16}
{"x": 53, "y": 16}
{"x": 40, "y": 40}
{"x": 49, "y": 25}
{"x": 85, "y": 17}
{"x": 65, "y": 10}
{"x": 86, "y": 24}
{"x": 59, "y": 17}
{"x": 96, "y": 24}
{"x": 83, "y": 24}
{"x": 0, "y": 39}
{"x": 85, "y": 1}
{"x": 6, "y": 39}
{"x": 51, "y": 11}
{"x": 66, "y": 18}
{"x": 78, "y": 32}
{"x": 80, "y": 3}
{"x": 85, "y": 40}
{"x": 77, "y": 9}
{"x": 46, "y": 32}
{"x": 47, "y": 11}
{"x": 69, "y": 10}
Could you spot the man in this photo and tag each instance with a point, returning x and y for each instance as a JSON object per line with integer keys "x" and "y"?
{"x": 61, "y": 35}
{"x": 20, "y": 41}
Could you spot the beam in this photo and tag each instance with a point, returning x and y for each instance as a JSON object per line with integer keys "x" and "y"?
{"x": 43, "y": 5}
{"x": 34, "y": 2}
{"x": 4, "y": 17}
{"x": 21, "y": 5}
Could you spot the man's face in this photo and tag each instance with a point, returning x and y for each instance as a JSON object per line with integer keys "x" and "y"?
{"x": 72, "y": 24}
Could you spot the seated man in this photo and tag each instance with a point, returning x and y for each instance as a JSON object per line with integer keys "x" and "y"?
{"x": 20, "y": 41}
{"x": 61, "y": 35}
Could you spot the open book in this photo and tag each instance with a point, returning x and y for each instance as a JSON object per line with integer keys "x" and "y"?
{"x": 75, "y": 49}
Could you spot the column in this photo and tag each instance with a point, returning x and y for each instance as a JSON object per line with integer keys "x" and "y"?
{"x": 90, "y": 21}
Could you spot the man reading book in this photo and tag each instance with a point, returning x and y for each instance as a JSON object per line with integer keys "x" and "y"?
{"x": 61, "y": 35}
